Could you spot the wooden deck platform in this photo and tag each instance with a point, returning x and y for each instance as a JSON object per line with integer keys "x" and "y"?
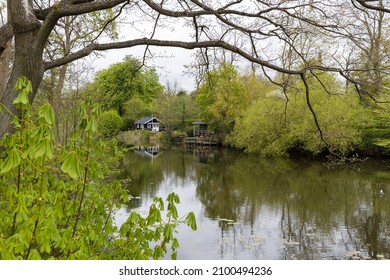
{"x": 201, "y": 141}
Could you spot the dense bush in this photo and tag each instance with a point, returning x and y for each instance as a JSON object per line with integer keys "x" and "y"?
{"x": 58, "y": 202}
{"x": 110, "y": 123}
{"x": 275, "y": 124}
{"x": 376, "y": 136}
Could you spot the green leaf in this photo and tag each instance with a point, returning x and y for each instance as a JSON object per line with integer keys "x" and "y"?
{"x": 158, "y": 252}
{"x": 93, "y": 125}
{"x": 21, "y": 208}
{"x": 46, "y": 112}
{"x": 25, "y": 87}
{"x": 154, "y": 215}
{"x": 124, "y": 197}
{"x": 29, "y": 86}
{"x": 173, "y": 198}
{"x": 90, "y": 125}
{"x": 13, "y": 160}
{"x": 83, "y": 124}
{"x": 48, "y": 148}
{"x": 172, "y": 211}
{"x": 43, "y": 148}
{"x": 175, "y": 244}
{"x": 45, "y": 246}
{"x": 75, "y": 137}
{"x": 22, "y": 98}
{"x": 39, "y": 150}
{"x": 71, "y": 165}
{"x": 168, "y": 232}
{"x": 191, "y": 221}
{"x": 92, "y": 236}
{"x": 21, "y": 83}
{"x": 160, "y": 203}
{"x": 134, "y": 217}
{"x": 96, "y": 108}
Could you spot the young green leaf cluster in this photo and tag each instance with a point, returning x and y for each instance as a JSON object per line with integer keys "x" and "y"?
{"x": 58, "y": 202}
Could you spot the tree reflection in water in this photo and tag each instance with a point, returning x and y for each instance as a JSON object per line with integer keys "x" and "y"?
{"x": 251, "y": 207}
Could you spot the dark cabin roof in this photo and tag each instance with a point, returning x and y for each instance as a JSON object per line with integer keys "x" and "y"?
{"x": 146, "y": 120}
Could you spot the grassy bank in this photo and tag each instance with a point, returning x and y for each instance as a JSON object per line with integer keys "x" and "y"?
{"x": 142, "y": 138}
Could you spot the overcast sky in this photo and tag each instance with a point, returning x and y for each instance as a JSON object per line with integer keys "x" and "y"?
{"x": 170, "y": 66}
{"x": 169, "y": 62}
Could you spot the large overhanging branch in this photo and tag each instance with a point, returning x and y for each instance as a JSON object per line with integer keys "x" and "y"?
{"x": 198, "y": 8}
{"x": 366, "y": 4}
{"x": 260, "y": 13}
{"x": 180, "y": 44}
{"x": 50, "y": 16}
{"x": 226, "y": 10}
{"x": 72, "y": 8}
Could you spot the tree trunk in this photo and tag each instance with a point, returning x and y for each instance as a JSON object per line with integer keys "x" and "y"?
{"x": 28, "y": 60}
{"x": 5, "y": 60}
{"x": 25, "y": 64}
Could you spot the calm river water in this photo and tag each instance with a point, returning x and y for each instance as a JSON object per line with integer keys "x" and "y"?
{"x": 253, "y": 208}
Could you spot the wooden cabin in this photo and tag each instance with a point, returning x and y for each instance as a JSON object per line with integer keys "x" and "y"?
{"x": 148, "y": 123}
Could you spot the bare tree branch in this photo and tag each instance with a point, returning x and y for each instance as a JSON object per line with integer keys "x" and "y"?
{"x": 77, "y": 7}
{"x": 366, "y": 4}
{"x": 111, "y": 20}
{"x": 180, "y": 44}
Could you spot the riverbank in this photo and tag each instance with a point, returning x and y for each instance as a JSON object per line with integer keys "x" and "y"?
{"x": 370, "y": 149}
{"x": 142, "y": 138}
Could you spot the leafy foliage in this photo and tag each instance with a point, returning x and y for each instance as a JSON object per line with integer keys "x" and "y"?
{"x": 136, "y": 109}
{"x": 223, "y": 97}
{"x": 273, "y": 125}
{"x": 59, "y": 203}
{"x": 176, "y": 111}
{"x": 376, "y": 134}
{"x": 110, "y": 123}
{"x": 124, "y": 80}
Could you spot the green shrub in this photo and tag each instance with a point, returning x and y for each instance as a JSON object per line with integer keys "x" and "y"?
{"x": 110, "y": 123}
{"x": 59, "y": 202}
{"x": 273, "y": 125}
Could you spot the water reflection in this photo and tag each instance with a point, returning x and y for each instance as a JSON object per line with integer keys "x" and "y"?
{"x": 151, "y": 152}
{"x": 253, "y": 208}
